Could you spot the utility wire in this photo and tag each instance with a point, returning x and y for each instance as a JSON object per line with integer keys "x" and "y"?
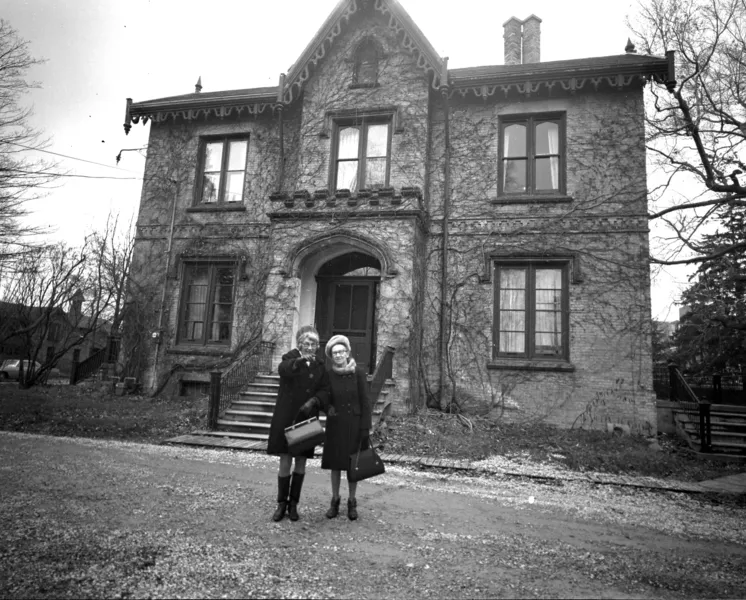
{"x": 70, "y": 157}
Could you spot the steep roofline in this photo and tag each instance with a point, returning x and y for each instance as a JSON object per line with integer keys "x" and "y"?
{"x": 399, "y": 20}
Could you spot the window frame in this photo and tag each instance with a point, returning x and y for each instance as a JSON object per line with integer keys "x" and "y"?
{"x": 530, "y": 120}
{"x": 199, "y": 184}
{"x": 363, "y": 121}
{"x": 359, "y": 63}
{"x": 213, "y": 266}
{"x": 530, "y": 266}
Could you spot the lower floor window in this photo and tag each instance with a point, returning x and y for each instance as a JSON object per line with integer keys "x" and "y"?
{"x": 531, "y": 310}
{"x": 207, "y": 304}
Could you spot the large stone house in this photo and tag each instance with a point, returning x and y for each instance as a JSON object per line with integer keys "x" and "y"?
{"x": 330, "y": 199}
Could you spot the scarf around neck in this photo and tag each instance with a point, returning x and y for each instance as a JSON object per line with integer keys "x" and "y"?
{"x": 349, "y": 368}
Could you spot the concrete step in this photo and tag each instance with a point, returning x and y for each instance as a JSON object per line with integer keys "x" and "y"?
{"x": 262, "y": 388}
{"x": 234, "y": 434}
{"x": 253, "y": 394}
{"x": 249, "y": 416}
{"x": 258, "y": 405}
{"x": 242, "y": 426}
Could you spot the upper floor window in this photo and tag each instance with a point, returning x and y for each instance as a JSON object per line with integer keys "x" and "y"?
{"x": 206, "y": 314}
{"x": 531, "y": 310}
{"x": 531, "y": 155}
{"x": 223, "y": 170}
{"x": 361, "y": 154}
{"x": 366, "y": 64}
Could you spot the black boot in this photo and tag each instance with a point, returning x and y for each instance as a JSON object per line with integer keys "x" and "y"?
{"x": 283, "y": 488}
{"x": 333, "y": 509}
{"x": 352, "y": 509}
{"x": 296, "y": 484}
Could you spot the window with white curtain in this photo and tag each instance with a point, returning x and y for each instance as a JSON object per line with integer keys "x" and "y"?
{"x": 531, "y": 309}
{"x": 531, "y": 155}
{"x": 361, "y": 153}
{"x": 222, "y": 175}
{"x": 206, "y": 316}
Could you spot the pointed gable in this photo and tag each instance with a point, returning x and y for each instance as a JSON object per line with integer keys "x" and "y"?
{"x": 399, "y": 21}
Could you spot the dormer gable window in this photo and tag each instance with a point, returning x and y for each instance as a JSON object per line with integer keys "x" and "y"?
{"x": 365, "y": 73}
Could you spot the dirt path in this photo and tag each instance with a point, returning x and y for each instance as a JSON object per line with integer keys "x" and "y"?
{"x": 85, "y": 518}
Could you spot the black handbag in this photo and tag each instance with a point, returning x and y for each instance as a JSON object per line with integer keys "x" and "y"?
{"x": 365, "y": 464}
{"x": 304, "y": 436}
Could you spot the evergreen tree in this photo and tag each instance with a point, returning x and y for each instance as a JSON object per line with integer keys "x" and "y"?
{"x": 712, "y": 335}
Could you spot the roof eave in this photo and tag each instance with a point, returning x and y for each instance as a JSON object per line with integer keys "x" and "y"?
{"x": 659, "y": 67}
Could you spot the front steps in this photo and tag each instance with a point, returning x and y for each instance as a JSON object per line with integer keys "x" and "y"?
{"x": 247, "y": 419}
{"x": 727, "y": 432}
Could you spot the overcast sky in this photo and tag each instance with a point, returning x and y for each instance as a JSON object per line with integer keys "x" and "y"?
{"x": 100, "y": 52}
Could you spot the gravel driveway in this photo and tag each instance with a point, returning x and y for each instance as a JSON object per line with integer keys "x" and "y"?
{"x": 91, "y": 518}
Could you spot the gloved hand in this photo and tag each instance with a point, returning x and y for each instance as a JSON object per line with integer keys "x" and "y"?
{"x": 309, "y": 406}
{"x": 300, "y": 361}
{"x": 331, "y": 412}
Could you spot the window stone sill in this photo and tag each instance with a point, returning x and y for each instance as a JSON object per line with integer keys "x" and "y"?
{"x": 199, "y": 351}
{"x": 506, "y": 364}
{"x": 232, "y": 207}
{"x": 532, "y": 200}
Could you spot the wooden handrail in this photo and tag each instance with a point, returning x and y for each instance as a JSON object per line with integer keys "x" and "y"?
{"x": 384, "y": 371}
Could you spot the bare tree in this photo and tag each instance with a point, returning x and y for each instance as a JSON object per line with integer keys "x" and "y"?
{"x": 109, "y": 270}
{"x": 43, "y": 304}
{"x": 21, "y": 178}
{"x": 697, "y": 127}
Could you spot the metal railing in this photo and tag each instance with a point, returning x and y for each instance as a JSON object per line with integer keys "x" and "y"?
{"x": 384, "y": 370}
{"x": 681, "y": 391}
{"x": 90, "y": 366}
{"x": 226, "y": 386}
{"x": 720, "y": 388}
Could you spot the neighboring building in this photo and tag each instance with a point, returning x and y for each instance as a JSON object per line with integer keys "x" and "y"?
{"x": 50, "y": 335}
{"x": 329, "y": 198}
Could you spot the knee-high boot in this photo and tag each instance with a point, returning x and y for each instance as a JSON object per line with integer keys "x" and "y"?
{"x": 283, "y": 489}
{"x": 296, "y": 484}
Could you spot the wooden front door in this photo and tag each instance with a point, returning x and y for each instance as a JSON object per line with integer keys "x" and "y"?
{"x": 346, "y": 306}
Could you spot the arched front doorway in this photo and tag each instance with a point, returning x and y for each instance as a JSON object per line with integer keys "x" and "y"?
{"x": 346, "y": 292}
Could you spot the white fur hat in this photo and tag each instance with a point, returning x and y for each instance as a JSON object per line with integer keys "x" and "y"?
{"x": 336, "y": 340}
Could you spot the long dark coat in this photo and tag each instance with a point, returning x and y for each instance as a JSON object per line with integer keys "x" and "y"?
{"x": 298, "y": 383}
{"x": 349, "y": 396}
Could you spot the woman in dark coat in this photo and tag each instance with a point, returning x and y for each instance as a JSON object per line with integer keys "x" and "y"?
{"x": 304, "y": 388}
{"x": 348, "y": 420}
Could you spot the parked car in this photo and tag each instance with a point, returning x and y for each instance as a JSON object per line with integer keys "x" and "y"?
{"x": 9, "y": 369}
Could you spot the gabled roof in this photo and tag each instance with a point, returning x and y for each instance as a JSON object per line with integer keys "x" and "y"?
{"x": 570, "y": 75}
{"x": 411, "y": 36}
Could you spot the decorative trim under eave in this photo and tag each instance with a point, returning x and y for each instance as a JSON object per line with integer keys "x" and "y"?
{"x": 295, "y": 86}
{"x": 204, "y": 112}
{"x": 411, "y": 44}
{"x": 566, "y": 84}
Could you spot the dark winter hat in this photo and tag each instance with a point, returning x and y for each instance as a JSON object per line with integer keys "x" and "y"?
{"x": 304, "y": 331}
{"x": 336, "y": 341}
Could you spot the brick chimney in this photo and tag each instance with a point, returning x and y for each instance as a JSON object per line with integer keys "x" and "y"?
{"x": 513, "y": 37}
{"x": 522, "y": 40}
{"x": 531, "y": 39}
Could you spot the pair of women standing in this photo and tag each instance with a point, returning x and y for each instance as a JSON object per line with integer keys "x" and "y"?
{"x": 306, "y": 387}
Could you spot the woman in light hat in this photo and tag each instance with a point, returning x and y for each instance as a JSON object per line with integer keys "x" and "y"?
{"x": 348, "y": 422}
{"x": 304, "y": 388}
